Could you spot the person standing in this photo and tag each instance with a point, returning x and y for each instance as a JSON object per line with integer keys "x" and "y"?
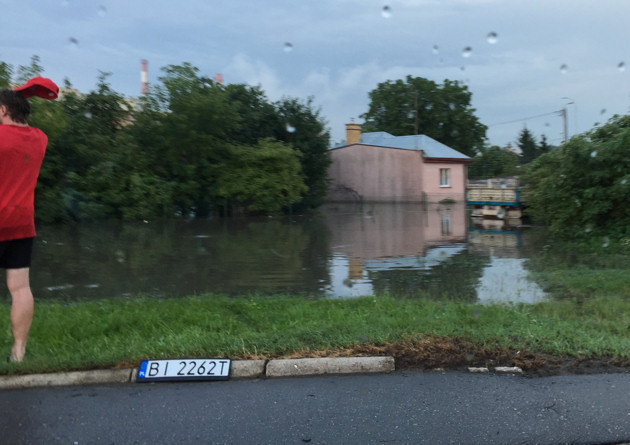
{"x": 22, "y": 150}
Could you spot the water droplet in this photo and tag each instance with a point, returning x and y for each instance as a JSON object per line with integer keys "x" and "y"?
{"x": 603, "y": 111}
{"x": 593, "y": 153}
{"x": 605, "y": 241}
{"x": 492, "y": 38}
{"x": 288, "y": 47}
{"x": 621, "y": 67}
{"x": 102, "y": 11}
{"x": 623, "y": 182}
{"x": 435, "y": 49}
{"x": 564, "y": 68}
{"x": 87, "y": 115}
{"x": 290, "y": 128}
{"x": 74, "y": 43}
{"x": 467, "y": 52}
{"x": 386, "y": 11}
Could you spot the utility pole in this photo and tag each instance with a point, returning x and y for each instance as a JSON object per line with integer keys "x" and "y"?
{"x": 563, "y": 112}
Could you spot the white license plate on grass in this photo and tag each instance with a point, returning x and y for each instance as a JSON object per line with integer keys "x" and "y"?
{"x": 184, "y": 369}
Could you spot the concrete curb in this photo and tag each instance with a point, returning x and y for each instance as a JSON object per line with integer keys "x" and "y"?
{"x": 240, "y": 369}
{"x": 338, "y": 365}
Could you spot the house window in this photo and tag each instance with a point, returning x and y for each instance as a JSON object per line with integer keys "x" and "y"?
{"x": 445, "y": 177}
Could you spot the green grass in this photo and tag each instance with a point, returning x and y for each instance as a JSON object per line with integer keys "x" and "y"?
{"x": 107, "y": 333}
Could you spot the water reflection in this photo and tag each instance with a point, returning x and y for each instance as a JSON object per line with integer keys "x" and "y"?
{"x": 346, "y": 250}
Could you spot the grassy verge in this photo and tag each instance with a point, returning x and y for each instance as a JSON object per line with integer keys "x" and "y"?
{"x": 109, "y": 333}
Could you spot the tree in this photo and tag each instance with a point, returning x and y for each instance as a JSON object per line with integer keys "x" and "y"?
{"x": 544, "y": 146}
{"x": 259, "y": 118}
{"x": 25, "y": 72}
{"x": 183, "y": 130}
{"x": 420, "y": 106}
{"x": 265, "y": 177}
{"x": 527, "y": 144}
{"x": 580, "y": 188}
{"x": 492, "y": 162}
{"x": 305, "y": 130}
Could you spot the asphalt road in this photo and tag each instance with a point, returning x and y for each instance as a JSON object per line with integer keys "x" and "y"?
{"x": 398, "y": 408}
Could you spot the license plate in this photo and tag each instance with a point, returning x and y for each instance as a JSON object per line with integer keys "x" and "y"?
{"x": 184, "y": 369}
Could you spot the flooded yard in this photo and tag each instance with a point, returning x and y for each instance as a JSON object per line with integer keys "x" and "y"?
{"x": 344, "y": 251}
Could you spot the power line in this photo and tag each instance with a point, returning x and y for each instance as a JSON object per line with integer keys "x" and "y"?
{"x": 524, "y": 119}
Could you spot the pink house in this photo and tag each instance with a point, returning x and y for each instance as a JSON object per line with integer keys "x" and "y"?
{"x": 379, "y": 167}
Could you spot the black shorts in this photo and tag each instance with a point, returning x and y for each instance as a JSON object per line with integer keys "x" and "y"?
{"x": 16, "y": 254}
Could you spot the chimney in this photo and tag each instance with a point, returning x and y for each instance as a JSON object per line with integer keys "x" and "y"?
{"x": 144, "y": 77}
{"x": 353, "y": 133}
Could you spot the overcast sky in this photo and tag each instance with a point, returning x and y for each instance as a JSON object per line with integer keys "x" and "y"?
{"x": 547, "y": 54}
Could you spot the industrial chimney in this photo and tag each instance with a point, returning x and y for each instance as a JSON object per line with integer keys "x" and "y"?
{"x": 144, "y": 77}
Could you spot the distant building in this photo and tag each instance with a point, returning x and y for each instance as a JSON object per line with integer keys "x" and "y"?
{"x": 379, "y": 167}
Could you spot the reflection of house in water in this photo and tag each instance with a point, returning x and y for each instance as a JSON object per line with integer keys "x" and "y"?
{"x": 383, "y": 236}
{"x": 497, "y": 243}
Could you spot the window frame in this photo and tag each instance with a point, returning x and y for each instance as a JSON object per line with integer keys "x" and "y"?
{"x": 445, "y": 177}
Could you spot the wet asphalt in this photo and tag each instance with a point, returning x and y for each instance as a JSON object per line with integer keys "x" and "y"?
{"x": 396, "y": 408}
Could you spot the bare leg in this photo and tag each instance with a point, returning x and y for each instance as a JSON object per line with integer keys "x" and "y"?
{"x": 22, "y": 307}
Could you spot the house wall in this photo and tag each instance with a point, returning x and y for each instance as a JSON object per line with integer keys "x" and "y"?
{"x": 377, "y": 173}
{"x": 431, "y": 181}
{"x": 381, "y": 174}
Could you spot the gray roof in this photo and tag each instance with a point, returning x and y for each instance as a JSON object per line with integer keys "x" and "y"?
{"x": 430, "y": 147}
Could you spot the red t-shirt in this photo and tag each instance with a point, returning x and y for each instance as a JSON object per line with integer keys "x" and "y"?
{"x": 22, "y": 151}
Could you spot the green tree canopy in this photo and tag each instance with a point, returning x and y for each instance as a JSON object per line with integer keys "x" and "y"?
{"x": 188, "y": 146}
{"x": 265, "y": 177}
{"x": 580, "y": 188}
{"x": 305, "y": 130}
{"x": 528, "y": 146}
{"x": 494, "y": 161}
{"x": 420, "y": 106}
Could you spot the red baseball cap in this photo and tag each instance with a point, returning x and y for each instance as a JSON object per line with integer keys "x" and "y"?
{"x": 40, "y": 87}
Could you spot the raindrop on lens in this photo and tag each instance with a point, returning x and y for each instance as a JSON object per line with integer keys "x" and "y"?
{"x": 290, "y": 128}
{"x": 467, "y": 52}
{"x": 621, "y": 67}
{"x": 564, "y": 68}
{"x": 492, "y": 38}
{"x": 386, "y": 12}
{"x": 288, "y": 47}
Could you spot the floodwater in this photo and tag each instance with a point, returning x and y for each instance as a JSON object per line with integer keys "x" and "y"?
{"x": 344, "y": 251}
